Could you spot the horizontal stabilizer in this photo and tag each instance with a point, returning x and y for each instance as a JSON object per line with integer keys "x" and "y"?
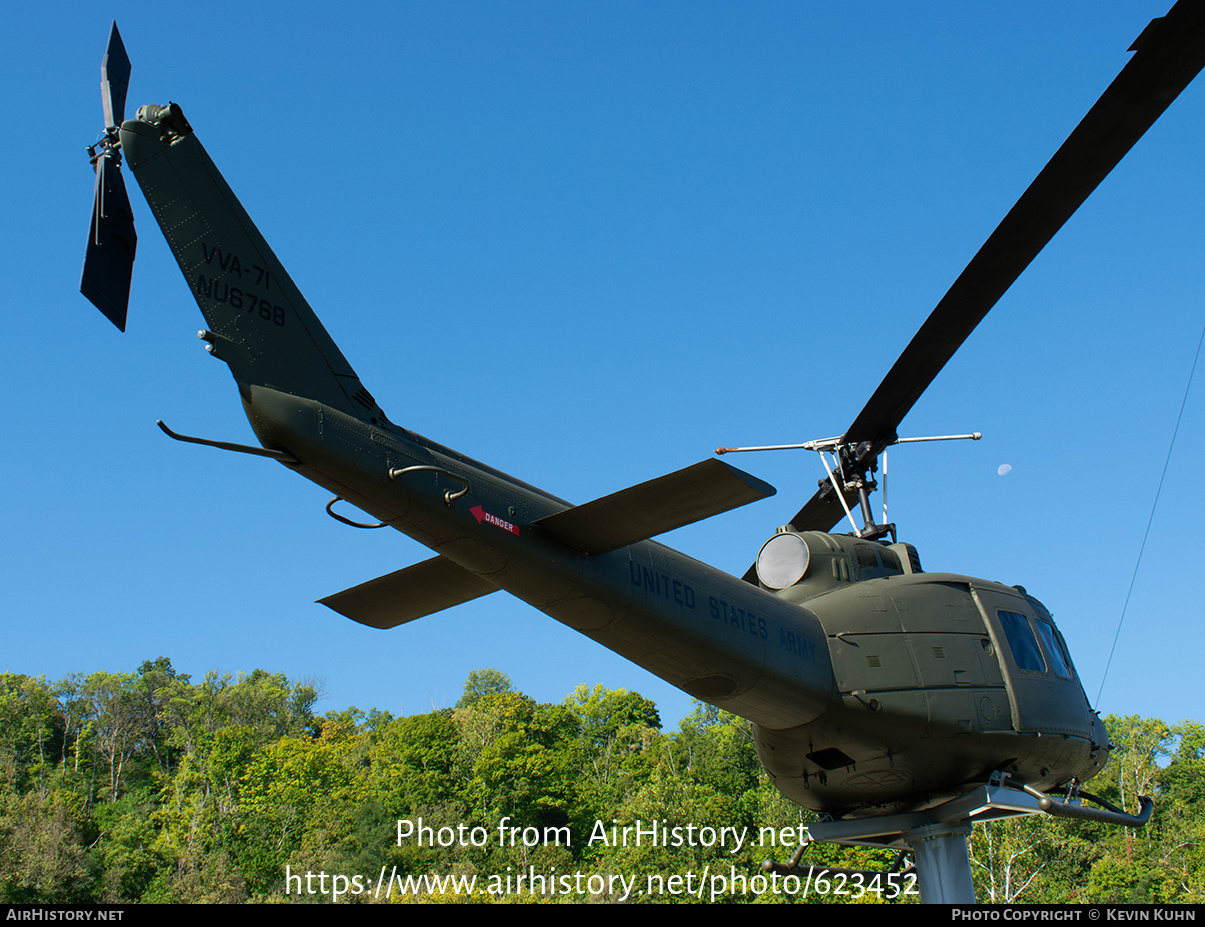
{"x": 416, "y": 591}
{"x": 648, "y": 509}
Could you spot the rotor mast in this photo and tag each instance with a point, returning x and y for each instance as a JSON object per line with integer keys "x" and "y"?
{"x": 853, "y": 477}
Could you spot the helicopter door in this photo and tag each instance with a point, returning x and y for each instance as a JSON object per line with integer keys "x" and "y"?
{"x": 1043, "y": 691}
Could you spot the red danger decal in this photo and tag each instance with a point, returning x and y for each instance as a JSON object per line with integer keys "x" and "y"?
{"x": 482, "y": 515}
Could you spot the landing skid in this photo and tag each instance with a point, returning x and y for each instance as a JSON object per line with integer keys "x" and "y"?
{"x": 936, "y": 837}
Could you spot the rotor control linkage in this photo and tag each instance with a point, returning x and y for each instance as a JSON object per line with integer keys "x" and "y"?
{"x": 825, "y": 444}
{"x": 853, "y": 463}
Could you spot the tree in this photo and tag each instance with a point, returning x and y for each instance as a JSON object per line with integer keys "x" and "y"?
{"x": 31, "y": 726}
{"x": 287, "y": 788}
{"x": 418, "y": 761}
{"x": 1006, "y": 857}
{"x": 42, "y": 852}
{"x": 520, "y": 758}
{"x": 120, "y": 721}
{"x": 619, "y": 738}
{"x": 484, "y": 682}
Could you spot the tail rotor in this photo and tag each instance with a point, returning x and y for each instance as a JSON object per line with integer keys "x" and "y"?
{"x": 112, "y": 242}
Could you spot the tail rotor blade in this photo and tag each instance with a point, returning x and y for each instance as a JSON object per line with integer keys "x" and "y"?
{"x": 109, "y": 260}
{"x": 114, "y": 80}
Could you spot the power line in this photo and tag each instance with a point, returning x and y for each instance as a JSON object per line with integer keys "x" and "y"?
{"x": 1154, "y": 505}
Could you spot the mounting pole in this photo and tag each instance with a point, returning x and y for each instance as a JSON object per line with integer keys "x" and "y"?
{"x": 943, "y": 866}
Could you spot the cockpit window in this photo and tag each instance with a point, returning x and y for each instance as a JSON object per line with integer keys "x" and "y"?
{"x": 1021, "y": 641}
{"x": 1054, "y": 648}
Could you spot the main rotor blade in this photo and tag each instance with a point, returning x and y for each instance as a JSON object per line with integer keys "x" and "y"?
{"x": 114, "y": 79}
{"x": 1168, "y": 55}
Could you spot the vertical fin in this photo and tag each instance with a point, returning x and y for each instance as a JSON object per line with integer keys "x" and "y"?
{"x": 259, "y": 323}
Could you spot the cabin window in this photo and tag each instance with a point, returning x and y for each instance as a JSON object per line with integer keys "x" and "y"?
{"x": 1021, "y": 641}
{"x": 1059, "y": 660}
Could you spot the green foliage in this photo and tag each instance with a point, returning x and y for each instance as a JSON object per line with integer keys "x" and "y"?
{"x": 519, "y": 767}
{"x": 148, "y": 787}
{"x": 43, "y": 855}
{"x": 484, "y": 682}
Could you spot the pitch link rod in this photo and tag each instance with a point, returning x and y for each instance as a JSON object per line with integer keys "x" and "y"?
{"x": 826, "y": 443}
{"x": 840, "y": 495}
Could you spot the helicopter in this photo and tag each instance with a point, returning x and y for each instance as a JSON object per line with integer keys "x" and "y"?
{"x": 873, "y": 686}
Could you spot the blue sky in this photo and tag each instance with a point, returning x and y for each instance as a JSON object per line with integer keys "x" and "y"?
{"x": 587, "y": 243}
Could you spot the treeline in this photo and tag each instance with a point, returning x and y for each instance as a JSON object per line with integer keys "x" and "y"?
{"x": 149, "y": 787}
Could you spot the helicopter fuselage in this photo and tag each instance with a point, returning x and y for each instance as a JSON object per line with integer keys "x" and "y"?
{"x": 871, "y": 685}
